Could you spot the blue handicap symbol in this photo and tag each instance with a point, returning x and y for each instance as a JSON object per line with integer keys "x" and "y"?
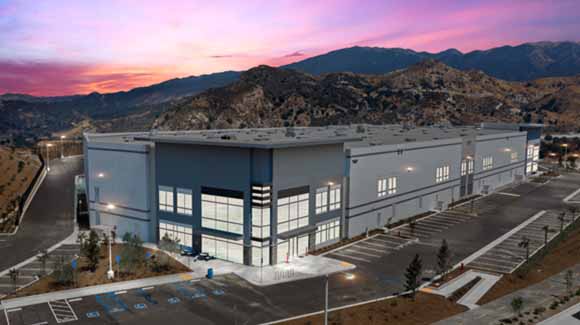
{"x": 93, "y": 314}
{"x": 118, "y": 259}
{"x": 173, "y": 300}
{"x": 147, "y": 296}
{"x": 74, "y": 264}
{"x": 218, "y": 292}
{"x": 198, "y": 293}
{"x": 140, "y": 306}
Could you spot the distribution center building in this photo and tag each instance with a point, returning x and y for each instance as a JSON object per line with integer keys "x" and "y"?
{"x": 265, "y": 196}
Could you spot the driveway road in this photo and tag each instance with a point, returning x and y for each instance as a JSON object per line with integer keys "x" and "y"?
{"x": 49, "y": 218}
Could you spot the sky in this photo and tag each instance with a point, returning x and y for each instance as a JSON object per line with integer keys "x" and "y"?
{"x": 62, "y": 47}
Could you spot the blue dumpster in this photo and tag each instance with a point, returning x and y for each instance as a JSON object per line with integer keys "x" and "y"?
{"x": 209, "y": 273}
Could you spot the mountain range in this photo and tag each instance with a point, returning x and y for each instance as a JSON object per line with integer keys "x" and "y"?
{"x": 425, "y": 93}
{"x": 30, "y": 117}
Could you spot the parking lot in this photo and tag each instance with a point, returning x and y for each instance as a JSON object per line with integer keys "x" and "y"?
{"x": 508, "y": 255}
{"x": 381, "y": 245}
{"x": 238, "y": 301}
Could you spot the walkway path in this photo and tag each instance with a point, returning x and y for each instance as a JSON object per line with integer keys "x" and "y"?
{"x": 538, "y": 295}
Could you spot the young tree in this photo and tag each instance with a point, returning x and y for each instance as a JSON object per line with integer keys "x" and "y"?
{"x": 132, "y": 254}
{"x": 562, "y": 219}
{"x": 14, "y": 275}
{"x": 42, "y": 257}
{"x": 443, "y": 259}
{"x": 517, "y": 304}
{"x": 63, "y": 272}
{"x": 413, "y": 275}
{"x": 91, "y": 249}
{"x": 546, "y": 229}
{"x": 569, "y": 279}
{"x": 525, "y": 243}
{"x": 167, "y": 244}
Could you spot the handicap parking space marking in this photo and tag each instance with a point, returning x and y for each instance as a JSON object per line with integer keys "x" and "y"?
{"x": 147, "y": 296}
{"x": 112, "y": 303}
{"x": 140, "y": 306}
{"x": 93, "y": 314}
{"x": 218, "y": 292}
{"x": 173, "y": 300}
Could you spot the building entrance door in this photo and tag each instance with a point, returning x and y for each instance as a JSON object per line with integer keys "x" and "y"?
{"x": 292, "y": 248}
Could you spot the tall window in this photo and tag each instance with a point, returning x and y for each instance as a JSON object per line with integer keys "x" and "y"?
{"x": 222, "y": 213}
{"x": 260, "y": 222}
{"x": 532, "y": 159}
{"x": 184, "y": 203}
{"x": 292, "y": 212}
{"x": 382, "y": 187}
{"x": 487, "y": 162}
{"x": 442, "y": 174}
{"x": 392, "y": 185}
{"x": 260, "y": 253}
{"x": 466, "y": 167}
{"x": 334, "y": 197}
{"x": 225, "y": 249}
{"x": 175, "y": 231}
{"x": 166, "y": 198}
{"x": 514, "y": 156}
{"x": 328, "y": 231}
{"x": 322, "y": 200}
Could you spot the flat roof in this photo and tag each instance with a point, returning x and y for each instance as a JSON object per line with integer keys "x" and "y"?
{"x": 358, "y": 135}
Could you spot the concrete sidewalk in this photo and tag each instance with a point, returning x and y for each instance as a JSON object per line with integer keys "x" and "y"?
{"x": 94, "y": 290}
{"x": 298, "y": 269}
{"x": 538, "y": 295}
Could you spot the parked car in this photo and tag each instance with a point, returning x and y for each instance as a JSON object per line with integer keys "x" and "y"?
{"x": 188, "y": 251}
{"x": 204, "y": 257}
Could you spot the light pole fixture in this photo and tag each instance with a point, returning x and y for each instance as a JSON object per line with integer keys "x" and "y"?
{"x": 110, "y": 272}
{"x": 48, "y": 145}
{"x": 565, "y": 146}
{"x": 62, "y": 137}
{"x": 347, "y": 276}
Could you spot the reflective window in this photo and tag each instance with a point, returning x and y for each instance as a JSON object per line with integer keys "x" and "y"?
{"x": 165, "y": 198}
{"x": 442, "y": 174}
{"x": 184, "y": 201}
{"x": 225, "y": 249}
{"x": 487, "y": 162}
{"x": 178, "y": 232}
{"x": 222, "y": 213}
{"x": 328, "y": 231}
{"x": 292, "y": 212}
{"x": 260, "y": 253}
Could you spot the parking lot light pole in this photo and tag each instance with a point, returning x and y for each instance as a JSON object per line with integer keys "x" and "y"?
{"x": 348, "y": 276}
{"x": 48, "y": 145}
{"x": 62, "y": 146}
{"x": 110, "y": 272}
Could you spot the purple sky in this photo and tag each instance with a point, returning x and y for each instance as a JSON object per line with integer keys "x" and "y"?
{"x": 63, "y": 47}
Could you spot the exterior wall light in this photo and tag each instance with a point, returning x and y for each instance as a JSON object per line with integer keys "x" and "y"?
{"x": 330, "y": 183}
{"x": 410, "y": 169}
{"x": 469, "y": 158}
{"x": 110, "y": 206}
{"x": 101, "y": 175}
{"x": 507, "y": 149}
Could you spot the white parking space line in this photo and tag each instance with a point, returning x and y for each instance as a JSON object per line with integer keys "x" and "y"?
{"x": 14, "y": 310}
{"x": 363, "y": 244}
{"x": 388, "y": 241}
{"x": 436, "y": 223}
{"x": 496, "y": 260}
{"x": 440, "y": 226}
{"x": 351, "y": 257}
{"x": 352, "y": 251}
{"x": 369, "y": 249}
{"x": 120, "y": 292}
{"x": 508, "y": 194}
{"x": 41, "y": 323}
{"x": 75, "y": 299}
{"x": 148, "y": 288}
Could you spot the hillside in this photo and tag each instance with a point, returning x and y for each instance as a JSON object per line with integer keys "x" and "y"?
{"x": 427, "y": 93}
{"x": 516, "y": 63}
{"x": 28, "y": 116}
{"x": 18, "y": 169}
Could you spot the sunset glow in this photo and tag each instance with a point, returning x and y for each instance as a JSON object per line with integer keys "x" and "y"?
{"x": 66, "y": 47}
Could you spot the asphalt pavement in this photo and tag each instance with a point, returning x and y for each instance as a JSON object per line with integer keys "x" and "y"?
{"x": 49, "y": 218}
{"x": 229, "y": 299}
